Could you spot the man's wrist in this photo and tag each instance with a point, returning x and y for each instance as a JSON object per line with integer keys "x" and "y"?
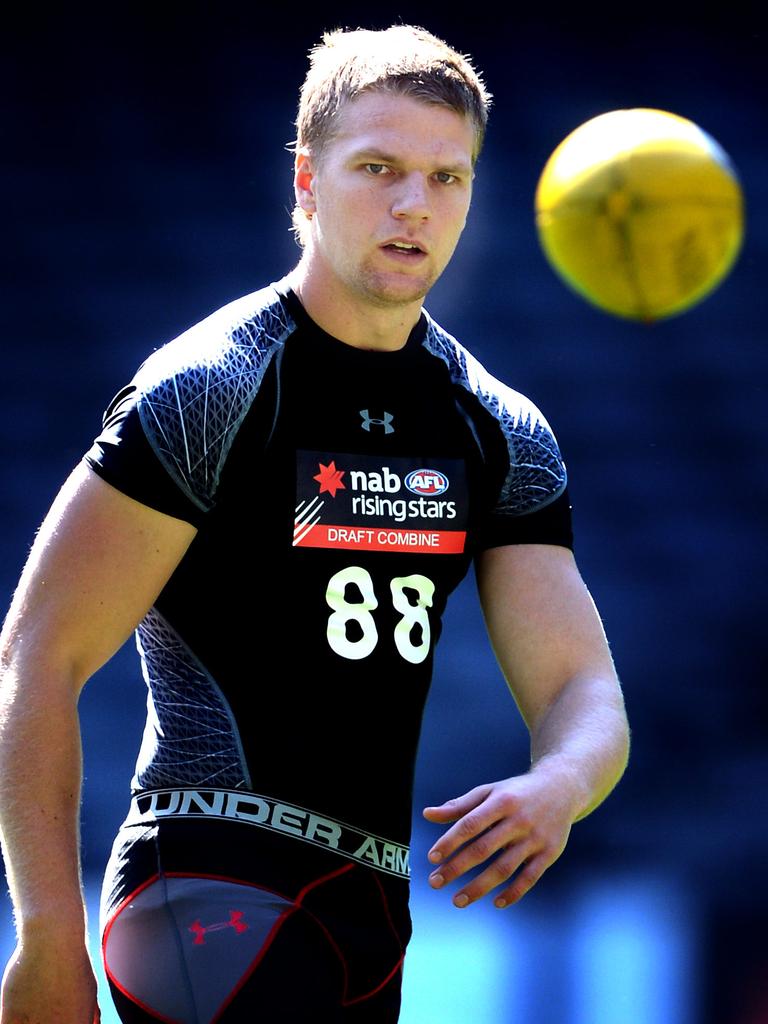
{"x": 62, "y": 923}
{"x": 567, "y": 780}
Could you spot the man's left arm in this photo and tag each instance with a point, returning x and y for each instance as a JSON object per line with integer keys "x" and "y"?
{"x": 550, "y": 644}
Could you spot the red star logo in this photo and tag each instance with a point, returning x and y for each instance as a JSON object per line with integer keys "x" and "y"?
{"x": 329, "y": 478}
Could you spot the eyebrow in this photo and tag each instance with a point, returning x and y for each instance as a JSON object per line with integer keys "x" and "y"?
{"x": 374, "y": 155}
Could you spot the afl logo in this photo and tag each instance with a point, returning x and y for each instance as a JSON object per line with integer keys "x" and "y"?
{"x": 426, "y": 481}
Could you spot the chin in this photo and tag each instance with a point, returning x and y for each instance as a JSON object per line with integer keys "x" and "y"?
{"x": 400, "y": 292}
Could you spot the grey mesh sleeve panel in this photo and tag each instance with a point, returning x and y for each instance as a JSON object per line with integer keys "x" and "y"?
{"x": 537, "y": 474}
{"x": 195, "y": 392}
{"x": 190, "y": 736}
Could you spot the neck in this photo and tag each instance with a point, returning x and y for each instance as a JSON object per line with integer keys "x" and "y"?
{"x": 356, "y": 320}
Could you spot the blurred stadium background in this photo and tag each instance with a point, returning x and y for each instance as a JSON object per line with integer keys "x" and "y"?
{"x": 146, "y": 183}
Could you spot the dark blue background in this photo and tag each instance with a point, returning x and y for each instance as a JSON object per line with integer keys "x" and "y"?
{"x": 146, "y": 182}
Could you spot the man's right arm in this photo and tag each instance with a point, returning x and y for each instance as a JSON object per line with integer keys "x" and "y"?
{"x": 97, "y": 565}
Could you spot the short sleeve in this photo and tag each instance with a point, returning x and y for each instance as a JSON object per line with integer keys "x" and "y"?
{"x": 167, "y": 436}
{"x": 123, "y": 457}
{"x": 527, "y": 498}
{"x": 549, "y": 524}
{"x": 532, "y": 504}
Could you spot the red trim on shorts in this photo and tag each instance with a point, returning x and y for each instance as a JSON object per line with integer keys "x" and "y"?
{"x": 137, "y": 1002}
{"x": 275, "y": 928}
{"x": 398, "y": 965}
{"x": 296, "y": 905}
{"x": 368, "y": 995}
{"x": 323, "y": 878}
{"x": 212, "y": 878}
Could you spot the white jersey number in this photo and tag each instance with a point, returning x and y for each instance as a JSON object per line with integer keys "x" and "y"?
{"x": 413, "y": 644}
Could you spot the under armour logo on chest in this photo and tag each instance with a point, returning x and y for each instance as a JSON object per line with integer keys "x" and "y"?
{"x": 374, "y": 421}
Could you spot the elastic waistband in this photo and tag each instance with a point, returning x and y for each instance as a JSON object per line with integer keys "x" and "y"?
{"x": 276, "y": 816}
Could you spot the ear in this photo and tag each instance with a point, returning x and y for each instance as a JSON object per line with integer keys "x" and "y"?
{"x": 303, "y": 181}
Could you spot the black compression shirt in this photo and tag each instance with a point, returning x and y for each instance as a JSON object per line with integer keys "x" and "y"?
{"x": 339, "y": 495}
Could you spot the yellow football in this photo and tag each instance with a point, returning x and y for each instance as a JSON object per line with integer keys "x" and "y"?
{"x": 641, "y": 212}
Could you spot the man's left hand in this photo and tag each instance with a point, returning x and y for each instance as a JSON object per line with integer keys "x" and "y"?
{"x": 518, "y": 827}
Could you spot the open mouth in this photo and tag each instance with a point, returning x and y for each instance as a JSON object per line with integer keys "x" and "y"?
{"x": 407, "y": 248}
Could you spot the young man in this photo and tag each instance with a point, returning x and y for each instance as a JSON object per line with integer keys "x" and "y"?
{"x": 282, "y": 501}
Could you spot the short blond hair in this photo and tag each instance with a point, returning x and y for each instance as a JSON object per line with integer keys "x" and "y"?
{"x": 403, "y": 59}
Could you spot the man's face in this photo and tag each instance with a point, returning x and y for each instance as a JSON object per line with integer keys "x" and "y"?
{"x": 388, "y": 197}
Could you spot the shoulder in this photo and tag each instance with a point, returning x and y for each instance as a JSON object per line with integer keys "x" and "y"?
{"x": 241, "y": 335}
{"x": 194, "y": 392}
{"x": 513, "y": 410}
{"x": 537, "y": 474}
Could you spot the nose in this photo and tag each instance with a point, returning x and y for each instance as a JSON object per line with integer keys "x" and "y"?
{"x": 412, "y": 198}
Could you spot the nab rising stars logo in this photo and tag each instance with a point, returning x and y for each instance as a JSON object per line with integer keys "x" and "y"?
{"x": 371, "y": 506}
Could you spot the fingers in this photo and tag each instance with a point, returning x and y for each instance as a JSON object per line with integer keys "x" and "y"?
{"x": 515, "y": 830}
{"x": 500, "y": 872}
{"x": 474, "y": 838}
{"x": 523, "y": 883}
{"x": 483, "y": 848}
{"x": 520, "y": 861}
{"x": 472, "y": 815}
{"x": 453, "y": 809}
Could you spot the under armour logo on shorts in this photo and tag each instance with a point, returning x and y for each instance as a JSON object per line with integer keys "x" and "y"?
{"x": 369, "y": 421}
{"x": 235, "y": 921}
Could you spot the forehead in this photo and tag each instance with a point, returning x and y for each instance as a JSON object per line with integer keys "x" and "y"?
{"x": 403, "y": 126}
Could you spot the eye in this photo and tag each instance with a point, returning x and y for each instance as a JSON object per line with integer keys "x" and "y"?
{"x": 445, "y": 177}
{"x": 376, "y": 169}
